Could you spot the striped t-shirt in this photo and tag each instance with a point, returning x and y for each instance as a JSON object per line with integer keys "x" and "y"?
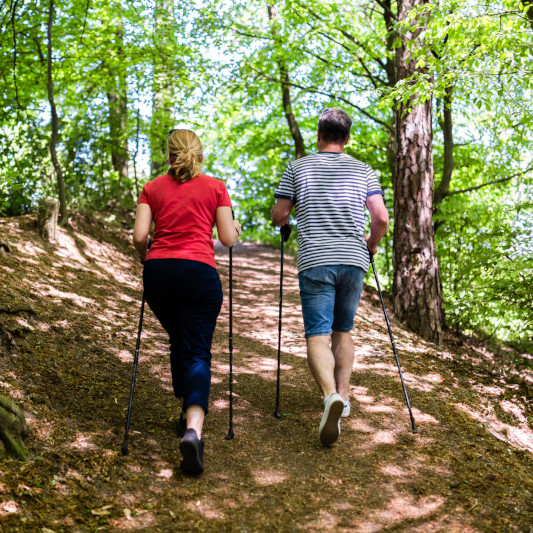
{"x": 329, "y": 190}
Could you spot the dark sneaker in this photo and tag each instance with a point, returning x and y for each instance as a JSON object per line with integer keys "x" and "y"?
{"x": 181, "y": 426}
{"x": 330, "y": 428}
{"x": 192, "y": 449}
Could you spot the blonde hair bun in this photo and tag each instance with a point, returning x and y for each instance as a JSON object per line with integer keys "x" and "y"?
{"x": 185, "y": 150}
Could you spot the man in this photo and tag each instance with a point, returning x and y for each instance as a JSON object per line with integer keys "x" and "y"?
{"x": 329, "y": 190}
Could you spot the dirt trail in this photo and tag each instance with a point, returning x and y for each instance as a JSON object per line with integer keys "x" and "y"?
{"x": 469, "y": 469}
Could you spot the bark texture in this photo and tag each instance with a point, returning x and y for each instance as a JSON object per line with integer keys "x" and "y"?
{"x": 47, "y": 218}
{"x": 13, "y": 430}
{"x": 416, "y": 284}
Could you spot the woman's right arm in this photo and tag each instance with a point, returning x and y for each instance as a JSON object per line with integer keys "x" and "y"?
{"x": 143, "y": 220}
{"x": 228, "y": 230}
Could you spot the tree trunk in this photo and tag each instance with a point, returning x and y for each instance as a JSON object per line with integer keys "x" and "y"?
{"x": 446, "y": 125}
{"x": 390, "y": 68}
{"x": 294, "y": 128}
{"x": 162, "y": 86}
{"x": 118, "y": 114}
{"x": 528, "y": 10}
{"x": 416, "y": 283}
{"x": 13, "y": 429}
{"x": 55, "y": 121}
{"x": 47, "y": 218}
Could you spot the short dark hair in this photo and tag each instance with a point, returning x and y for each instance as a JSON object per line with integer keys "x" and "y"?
{"x": 334, "y": 125}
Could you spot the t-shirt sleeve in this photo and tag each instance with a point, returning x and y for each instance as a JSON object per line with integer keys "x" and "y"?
{"x": 143, "y": 198}
{"x": 286, "y": 185}
{"x": 223, "y": 196}
{"x": 372, "y": 183}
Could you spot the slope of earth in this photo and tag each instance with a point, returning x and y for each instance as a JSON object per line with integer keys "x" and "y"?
{"x": 69, "y": 367}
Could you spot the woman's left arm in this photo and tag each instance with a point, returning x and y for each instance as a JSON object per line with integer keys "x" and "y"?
{"x": 143, "y": 221}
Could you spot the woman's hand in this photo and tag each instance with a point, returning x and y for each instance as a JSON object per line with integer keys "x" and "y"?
{"x": 228, "y": 229}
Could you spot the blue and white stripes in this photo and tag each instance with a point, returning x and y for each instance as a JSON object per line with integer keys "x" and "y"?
{"x": 329, "y": 190}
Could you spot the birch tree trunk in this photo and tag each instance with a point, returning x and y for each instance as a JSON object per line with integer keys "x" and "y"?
{"x": 416, "y": 284}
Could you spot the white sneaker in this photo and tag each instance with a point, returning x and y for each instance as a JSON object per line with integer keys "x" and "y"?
{"x": 330, "y": 427}
{"x": 346, "y": 410}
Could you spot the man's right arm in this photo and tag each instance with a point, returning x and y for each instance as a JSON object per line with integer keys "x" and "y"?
{"x": 281, "y": 211}
{"x": 379, "y": 221}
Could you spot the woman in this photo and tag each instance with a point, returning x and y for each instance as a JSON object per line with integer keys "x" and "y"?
{"x": 181, "y": 283}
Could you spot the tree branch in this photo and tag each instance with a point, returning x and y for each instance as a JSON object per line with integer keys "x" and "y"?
{"x": 13, "y": 11}
{"x": 315, "y": 90}
{"x": 387, "y": 9}
{"x": 495, "y": 182}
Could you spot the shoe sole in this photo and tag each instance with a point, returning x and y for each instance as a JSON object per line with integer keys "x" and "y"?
{"x": 192, "y": 463}
{"x": 328, "y": 431}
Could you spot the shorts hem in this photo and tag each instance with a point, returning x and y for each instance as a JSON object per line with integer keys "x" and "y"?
{"x": 342, "y": 330}
{"x": 317, "y": 334}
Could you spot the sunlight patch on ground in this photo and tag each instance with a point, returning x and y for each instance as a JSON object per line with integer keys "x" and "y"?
{"x": 82, "y": 442}
{"x": 66, "y": 247}
{"x": 220, "y": 404}
{"x": 47, "y": 290}
{"x": 268, "y": 477}
{"x": 326, "y": 521}
{"x": 395, "y": 471}
{"x": 490, "y": 390}
{"x": 384, "y": 437}
{"x": 136, "y": 519}
{"x": 165, "y": 473}
{"x": 422, "y": 417}
{"x": 520, "y": 436}
{"x": 360, "y": 425}
{"x": 205, "y": 508}
{"x": 30, "y": 248}
{"x": 8, "y": 507}
{"x": 378, "y": 409}
{"x": 125, "y": 356}
{"x": 400, "y": 508}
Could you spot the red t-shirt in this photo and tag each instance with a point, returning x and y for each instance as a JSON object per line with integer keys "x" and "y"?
{"x": 184, "y": 216}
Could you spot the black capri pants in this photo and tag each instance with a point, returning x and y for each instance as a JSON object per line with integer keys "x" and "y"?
{"x": 186, "y": 297}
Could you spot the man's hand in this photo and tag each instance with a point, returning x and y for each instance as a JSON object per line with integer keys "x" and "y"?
{"x": 372, "y": 247}
{"x": 285, "y": 232}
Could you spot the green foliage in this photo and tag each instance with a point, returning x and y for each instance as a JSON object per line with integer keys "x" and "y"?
{"x": 486, "y": 260}
{"x": 217, "y": 66}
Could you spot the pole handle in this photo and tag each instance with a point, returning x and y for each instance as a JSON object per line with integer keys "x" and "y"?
{"x": 285, "y": 232}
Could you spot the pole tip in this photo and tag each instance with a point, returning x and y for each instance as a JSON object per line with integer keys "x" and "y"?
{"x": 230, "y": 435}
{"x": 124, "y": 448}
{"x": 277, "y": 413}
{"x": 415, "y": 429}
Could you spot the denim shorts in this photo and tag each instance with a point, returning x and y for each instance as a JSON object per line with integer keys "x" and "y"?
{"x": 330, "y": 295}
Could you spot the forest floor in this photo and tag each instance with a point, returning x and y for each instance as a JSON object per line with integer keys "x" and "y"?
{"x": 69, "y": 368}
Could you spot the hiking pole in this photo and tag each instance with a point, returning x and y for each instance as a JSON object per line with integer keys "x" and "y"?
{"x": 230, "y": 434}
{"x": 413, "y": 425}
{"x": 285, "y": 233}
{"x": 135, "y": 360}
